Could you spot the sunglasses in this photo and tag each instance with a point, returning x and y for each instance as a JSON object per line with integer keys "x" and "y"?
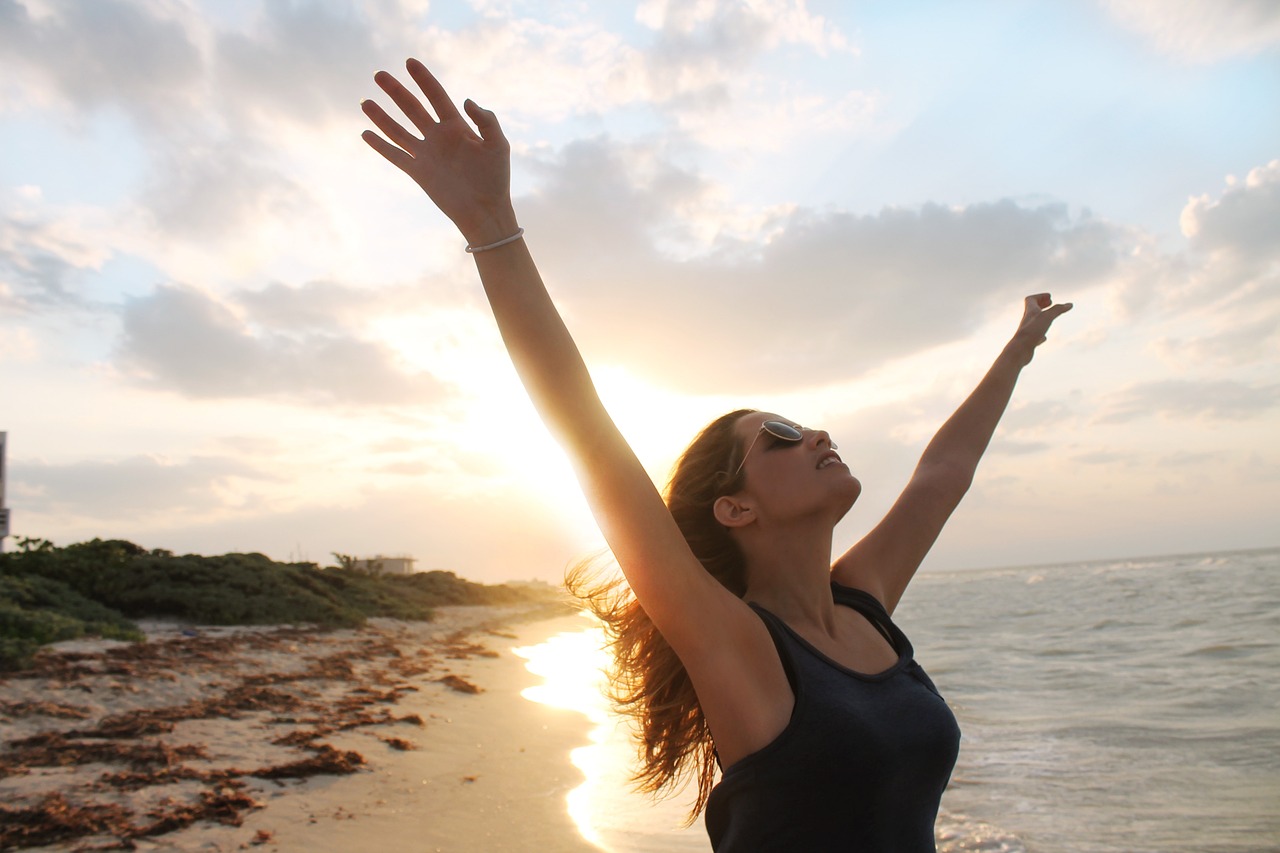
{"x": 783, "y": 432}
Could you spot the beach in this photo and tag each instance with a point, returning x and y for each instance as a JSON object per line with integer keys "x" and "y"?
{"x": 1119, "y": 706}
{"x": 398, "y": 735}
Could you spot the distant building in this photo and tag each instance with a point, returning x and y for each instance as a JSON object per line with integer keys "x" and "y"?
{"x": 401, "y": 565}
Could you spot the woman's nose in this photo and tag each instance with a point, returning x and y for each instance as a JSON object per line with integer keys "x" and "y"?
{"x": 821, "y": 437}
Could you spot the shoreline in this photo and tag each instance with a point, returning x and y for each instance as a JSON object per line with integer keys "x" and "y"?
{"x": 398, "y": 735}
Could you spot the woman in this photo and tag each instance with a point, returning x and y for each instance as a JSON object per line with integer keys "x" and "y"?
{"x": 830, "y": 736}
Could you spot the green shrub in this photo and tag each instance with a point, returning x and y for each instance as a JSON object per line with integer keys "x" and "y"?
{"x": 95, "y": 588}
{"x": 36, "y": 610}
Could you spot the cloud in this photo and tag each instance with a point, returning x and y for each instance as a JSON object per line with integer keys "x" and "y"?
{"x": 210, "y": 105}
{"x": 1221, "y": 399}
{"x": 138, "y": 486}
{"x": 697, "y": 69}
{"x": 1244, "y": 222}
{"x": 517, "y": 536}
{"x": 1249, "y": 335}
{"x": 1202, "y": 30}
{"x": 1192, "y": 459}
{"x": 700, "y": 47}
{"x": 1217, "y": 302}
{"x": 214, "y": 191}
{"x": 103, "y": 53}
{"x": 733, "y": 30}
{"x": 42, "y": 266}
{"x": 1107, "y": 458}
{"x": 182, "y": 340}
{"x": 32, "y": 277}
{"x": 307, "y": 62}
{"x": 813, "y": 297}
{"x": 321, "y": 305}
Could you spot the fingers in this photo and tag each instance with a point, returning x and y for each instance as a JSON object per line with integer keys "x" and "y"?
{"x": 1038, "y": 302}
{"x": 439, "y": 98}
{"x": 406, "y": 101}
{"x": 486, "y": 122}
{"x": 398, "y": 157}
{"x": 385, "y": 123}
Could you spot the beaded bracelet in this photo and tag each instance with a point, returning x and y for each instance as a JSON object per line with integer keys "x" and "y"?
{"x": 504, "y": 241}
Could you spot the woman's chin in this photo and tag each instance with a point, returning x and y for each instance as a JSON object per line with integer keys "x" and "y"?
{"x": 850, "y": 495}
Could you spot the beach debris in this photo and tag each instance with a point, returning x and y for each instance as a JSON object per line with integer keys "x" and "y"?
{"x": 54, "y": 819}
{"x": 226, "y": 805}
{"x": 54, "y": 749}
{"x": 398, "y": 743}
{"x": 458, "y": 647}
{"x": 302, "y": 737}
{"x": 458, "y": 683}
{"x": 318, "y": 695}
{"x": 17, "y": 710}
{"x": 327, "y": 761}
{"x": 138, "y": 780}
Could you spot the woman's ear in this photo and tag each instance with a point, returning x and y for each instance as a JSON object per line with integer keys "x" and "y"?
{"x": 731, "y": 511}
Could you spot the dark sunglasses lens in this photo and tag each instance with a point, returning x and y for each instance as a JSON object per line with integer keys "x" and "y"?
{"x": 785, "y": 432}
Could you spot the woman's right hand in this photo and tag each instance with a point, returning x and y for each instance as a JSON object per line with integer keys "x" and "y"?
{"x": 467, "y": 175}
{"x": 1038, "y": 314}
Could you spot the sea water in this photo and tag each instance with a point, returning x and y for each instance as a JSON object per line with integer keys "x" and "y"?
{"x": 1124, "y": 705}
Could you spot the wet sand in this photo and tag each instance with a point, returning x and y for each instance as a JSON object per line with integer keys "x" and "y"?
{"x": 396, "y": 736}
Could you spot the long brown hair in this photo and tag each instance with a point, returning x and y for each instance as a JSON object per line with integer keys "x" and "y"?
{"x": 647, "y": 682}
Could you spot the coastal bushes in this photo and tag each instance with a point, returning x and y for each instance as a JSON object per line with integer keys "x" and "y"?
{"x": 35, "y": 610}
{"x": 48, "y": 594}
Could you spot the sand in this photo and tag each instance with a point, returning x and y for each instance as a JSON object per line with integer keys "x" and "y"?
{"x": 398, "y": 736}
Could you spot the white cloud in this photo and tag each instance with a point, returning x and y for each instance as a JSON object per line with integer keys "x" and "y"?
{"x": 1213, "y": 399}
{"x": 728, "y": 25}
{"x": 218, "y": 191}
{"x": 318, "y": 305}
{"x": 183, "y": 340}
{"x": 1244, "y": 221}
{"x": 302, "y": 62}
{"x": 43, "y": 265}
{"x": 137, "y": 57}
{"x": 1228, "y": 284}
{"x": 698, "y": 72}
{"x": 139, "y": 486}
{"x": 823, "y": 297}
{"x": 1202, "y": 30}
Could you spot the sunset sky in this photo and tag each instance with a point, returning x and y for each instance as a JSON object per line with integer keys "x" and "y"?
{"x": 227, "y": 325}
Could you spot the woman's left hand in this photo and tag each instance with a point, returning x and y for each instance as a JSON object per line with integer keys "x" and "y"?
{"x": 1038, "y": 314}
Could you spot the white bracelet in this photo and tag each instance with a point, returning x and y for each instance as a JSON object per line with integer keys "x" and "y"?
{"x": 504, "y": 241}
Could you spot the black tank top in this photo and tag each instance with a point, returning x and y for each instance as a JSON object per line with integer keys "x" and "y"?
{"x": 862, "y": 764}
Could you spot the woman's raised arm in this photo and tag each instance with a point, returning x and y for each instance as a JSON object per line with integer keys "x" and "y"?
{"x": 884, "y": 561}
{"x": 467, "y": 174}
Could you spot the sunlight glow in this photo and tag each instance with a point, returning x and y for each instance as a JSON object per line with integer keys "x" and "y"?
{"x": 572, "y": 668}
{"x": 605, "y": 807}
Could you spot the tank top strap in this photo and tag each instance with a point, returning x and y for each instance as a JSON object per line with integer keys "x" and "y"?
{"x": 866, "y": 604}
{"x": 870, "y": 607}
{"x": 783, "y": 642}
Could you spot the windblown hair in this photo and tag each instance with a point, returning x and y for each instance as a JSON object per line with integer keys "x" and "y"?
{"x": 648, "y": 682}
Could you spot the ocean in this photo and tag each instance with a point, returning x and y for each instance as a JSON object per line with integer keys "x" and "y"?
{"x": 1118, "y": 706}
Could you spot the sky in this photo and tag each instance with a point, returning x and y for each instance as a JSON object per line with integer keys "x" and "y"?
{"x": 227, "y": 325}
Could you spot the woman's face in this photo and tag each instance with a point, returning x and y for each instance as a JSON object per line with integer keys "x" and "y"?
{"x": 794, "y": 477}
